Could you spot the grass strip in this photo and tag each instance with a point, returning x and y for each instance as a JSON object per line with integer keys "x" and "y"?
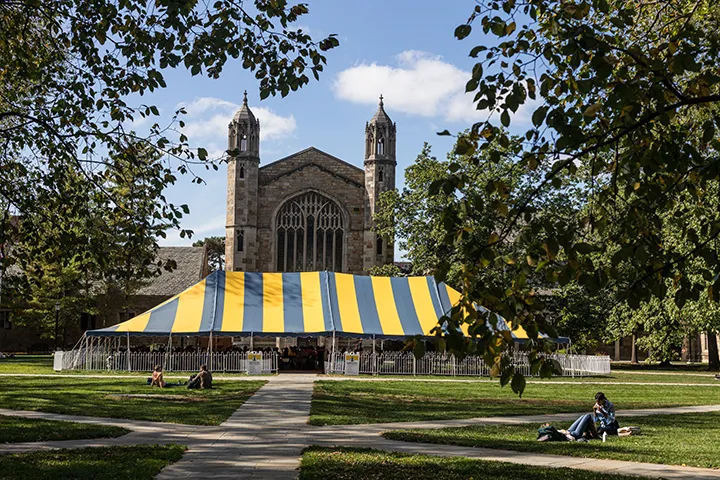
{"x": 18, "y": 429}
{"x": 128, "y": 398}
{"x": 687, "y": 439}
{"x": 139, "y": 462}
{"x": 356, "y": 402}
{"x": 352, "y": 464}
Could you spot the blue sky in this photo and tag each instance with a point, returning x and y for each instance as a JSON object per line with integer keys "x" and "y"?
{"x": 402, "y": 49}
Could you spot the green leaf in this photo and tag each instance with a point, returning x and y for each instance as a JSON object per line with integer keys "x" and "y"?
{"x": 462, "y": 31}
{"x": 505, "y": 118}
{"x": 538, "y": 116}
{"x": 592, "y": 110}
{"x": 506, "y": 375}
{"x": 518, "y": 383}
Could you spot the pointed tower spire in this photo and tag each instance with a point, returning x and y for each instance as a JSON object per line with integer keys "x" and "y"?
{"x": 245, "y": 98}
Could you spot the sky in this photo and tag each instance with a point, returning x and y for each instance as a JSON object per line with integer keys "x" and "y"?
{"x": 404, "y": 50}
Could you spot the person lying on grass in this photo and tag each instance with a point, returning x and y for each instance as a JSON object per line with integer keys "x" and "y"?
{"x": 157, "y": 377}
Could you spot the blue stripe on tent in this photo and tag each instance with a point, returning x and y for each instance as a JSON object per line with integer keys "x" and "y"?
{"x": 405, "y": 306}
{"x": 432, "y": 286}
{"x": 253, "y": 318}
{"x": 292, "y": 303}
{"x": 369, "y": 317}
{"x": 219, "y": 301}
{"x": 444, "y": 300}
{"x": 324, "y": 294}
{"x": 162, "y": 318}
{"x": 334, "y": 307}
{"x": 208, "y": 311}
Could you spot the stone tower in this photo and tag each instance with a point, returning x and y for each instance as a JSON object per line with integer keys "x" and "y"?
{"x": 379, "y": 177}
{"x": 242, "y": 195}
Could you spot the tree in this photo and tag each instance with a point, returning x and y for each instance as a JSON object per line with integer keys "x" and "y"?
{"x": 418, "y": 217}
{"x": 102, "y": 253}
{"x": 216, "y": 251}
{"x": 74, "y": 72}
{"x": 627, "y": 94}
{"x": 387, "y": 270}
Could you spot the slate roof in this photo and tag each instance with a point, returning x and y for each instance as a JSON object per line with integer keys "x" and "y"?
{"x": 191, "y": 268}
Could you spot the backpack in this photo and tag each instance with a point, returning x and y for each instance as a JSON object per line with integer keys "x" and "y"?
{"x": 552, "y": 434}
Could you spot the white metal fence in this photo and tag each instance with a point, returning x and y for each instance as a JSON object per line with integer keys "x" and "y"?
{"x": 405, "y": 363}
{"x": 100, "y": 359}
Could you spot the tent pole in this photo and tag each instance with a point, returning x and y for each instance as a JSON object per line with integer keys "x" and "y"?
{"x": 374, "y": 371}
{"x": 128, "y": 351}
{"x": 168, "y": 361}
{"x": 332, "y": 356}
{"x": 210, "y": 349}
{"x": 251, "y": 342}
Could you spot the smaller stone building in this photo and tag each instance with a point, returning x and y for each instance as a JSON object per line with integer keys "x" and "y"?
{"x": 192, "y": 266}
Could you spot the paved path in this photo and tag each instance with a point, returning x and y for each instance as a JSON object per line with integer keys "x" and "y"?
{"x": 265, "y": 437}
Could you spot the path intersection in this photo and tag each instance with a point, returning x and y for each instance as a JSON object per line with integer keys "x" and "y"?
{"x": 265, "y": 437}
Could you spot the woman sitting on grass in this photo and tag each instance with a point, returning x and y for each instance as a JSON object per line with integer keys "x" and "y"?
{"x": 157, "y": 377}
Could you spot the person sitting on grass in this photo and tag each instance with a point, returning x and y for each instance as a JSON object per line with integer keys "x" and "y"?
{"x": 157, "y": 379}
{"x": 202, "y": 379}
{"x": 604, "y": 412}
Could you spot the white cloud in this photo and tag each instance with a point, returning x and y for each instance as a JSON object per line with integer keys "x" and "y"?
{"x": 207, "y": 118}
{"x": 420, "y": 84}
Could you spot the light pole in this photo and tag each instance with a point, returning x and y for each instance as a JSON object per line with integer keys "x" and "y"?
{"x": 57, "y": 319}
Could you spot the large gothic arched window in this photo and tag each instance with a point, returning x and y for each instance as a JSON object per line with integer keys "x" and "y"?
{"x": 310, "y": 232}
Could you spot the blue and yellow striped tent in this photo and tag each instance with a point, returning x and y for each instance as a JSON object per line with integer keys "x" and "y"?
{"x": 299, "y": 304}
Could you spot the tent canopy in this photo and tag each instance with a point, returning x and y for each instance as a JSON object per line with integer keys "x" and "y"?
{"x": 300, "y": 304}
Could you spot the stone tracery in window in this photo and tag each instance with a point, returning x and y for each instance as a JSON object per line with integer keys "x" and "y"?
{"x": 310, "y": 232}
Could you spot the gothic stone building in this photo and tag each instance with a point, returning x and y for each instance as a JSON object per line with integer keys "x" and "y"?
{"x": 309, "y": 211}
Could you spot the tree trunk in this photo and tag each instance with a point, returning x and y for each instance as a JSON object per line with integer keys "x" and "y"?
{"x": 633, "y": 350}
{"x": 713, "y": 360}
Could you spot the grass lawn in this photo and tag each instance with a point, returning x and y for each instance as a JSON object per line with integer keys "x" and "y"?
{"x": 352, "y": 464}
{"x": 688, "y": 439}
{"x": 137, "y": 462}
{"x": 17, "y": 429}
{"x": 352, "y": 402}
{"x": 108, "y": 398}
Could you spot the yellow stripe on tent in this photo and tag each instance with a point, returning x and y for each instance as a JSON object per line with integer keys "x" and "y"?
{"x": 348, "y": 303}
{"x": 422, "y": 300}
{"x": 519, "y": 332}
{"x": 454, "y": 297}
{"x": 136, "y": 324}
{"x": 234, "y": 304}
{"x": 386, "y": 308}
{"x": 273, "y": 307}
{"x": 189, "y": 309}
{"x": 313, "y": 316}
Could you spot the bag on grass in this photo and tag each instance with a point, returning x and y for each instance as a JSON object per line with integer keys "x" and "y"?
{"x": 548, "y": 433}
{"x": 628, "y": 431}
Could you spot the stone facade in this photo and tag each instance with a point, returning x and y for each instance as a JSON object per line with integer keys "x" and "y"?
{"x": 308, "y": 211}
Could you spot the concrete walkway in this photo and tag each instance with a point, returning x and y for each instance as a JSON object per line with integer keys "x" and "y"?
{"x": 265, "y": 437}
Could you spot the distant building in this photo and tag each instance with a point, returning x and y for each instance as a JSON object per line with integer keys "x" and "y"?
{"x": 192, "y": 266}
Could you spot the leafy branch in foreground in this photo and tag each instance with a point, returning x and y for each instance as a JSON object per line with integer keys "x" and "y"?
{"x": 74, "y": 71}
{"x": 625, "y": 99}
